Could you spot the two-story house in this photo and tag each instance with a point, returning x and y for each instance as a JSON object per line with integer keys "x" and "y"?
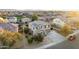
{"x": 39, "y": 27}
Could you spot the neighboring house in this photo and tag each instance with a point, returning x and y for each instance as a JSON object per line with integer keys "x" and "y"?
{"x": 9, "y": 27}
{"x": 12, "y": 19}
{"x": 4, "y": 25}
{"x": 58, "y": 23}
{"x": 39, "y": 27}
{"x": 26, "y": 20}
{"x": 45, "y": 18}
{"x": 41, "y": 18}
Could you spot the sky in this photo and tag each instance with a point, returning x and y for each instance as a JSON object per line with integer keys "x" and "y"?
{"x": 40, "y": 4}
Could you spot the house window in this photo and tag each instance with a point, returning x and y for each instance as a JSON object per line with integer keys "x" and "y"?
{"x": 36, "y": 27}
{"x": 48, "y": 25}
{"x": 45, "y": 26}
{"x": 41, "y": 27}
{"x": 33, "y": 28}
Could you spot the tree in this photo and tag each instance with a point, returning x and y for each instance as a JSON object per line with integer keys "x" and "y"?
{"x": 37, "y": 38}
{"x": 19, "y": 17}
{"x": 10, "y": 39}
{"x": 34, "y": 17}
{"x": 66, "y": 30}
